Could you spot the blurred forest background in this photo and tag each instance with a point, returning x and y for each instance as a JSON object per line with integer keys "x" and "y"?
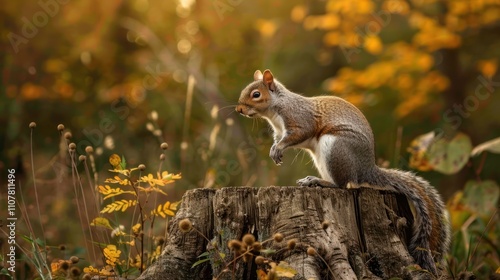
{"x": 125, "y": 76}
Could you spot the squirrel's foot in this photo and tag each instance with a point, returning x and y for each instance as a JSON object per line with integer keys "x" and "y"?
{"x": 312, "y": 181}
{"x": 276, "y": 154}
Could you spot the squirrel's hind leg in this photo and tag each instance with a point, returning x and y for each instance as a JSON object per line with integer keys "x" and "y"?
{"x": 312, "y": 181}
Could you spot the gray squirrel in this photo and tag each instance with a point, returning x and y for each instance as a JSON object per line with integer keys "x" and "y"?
{"x": 340, "y": 141}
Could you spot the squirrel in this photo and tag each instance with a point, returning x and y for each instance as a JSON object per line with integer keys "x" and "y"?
{"x": 340, "y": 141}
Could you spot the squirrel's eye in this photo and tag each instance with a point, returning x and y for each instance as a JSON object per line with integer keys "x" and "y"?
{"x": 255, "y": 94}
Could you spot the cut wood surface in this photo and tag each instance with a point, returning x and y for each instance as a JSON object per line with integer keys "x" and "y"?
{"x": 356, "y": 234}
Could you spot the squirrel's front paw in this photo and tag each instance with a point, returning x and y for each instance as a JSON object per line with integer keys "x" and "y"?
{"x": 309, "y": 181}
{"x": 312, "y": 181}
{"x": 276, "y": 154}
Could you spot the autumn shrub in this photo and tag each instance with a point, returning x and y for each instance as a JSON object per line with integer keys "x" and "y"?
{"x": 474, "y": 209}
{"x": 123, "y": 221}
{"x": 128, "y": 251}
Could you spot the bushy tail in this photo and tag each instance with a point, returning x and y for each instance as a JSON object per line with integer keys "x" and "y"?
{"x": 431, "y": 232}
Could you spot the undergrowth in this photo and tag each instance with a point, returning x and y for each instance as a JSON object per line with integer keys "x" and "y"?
{"x": 123, "y": 221}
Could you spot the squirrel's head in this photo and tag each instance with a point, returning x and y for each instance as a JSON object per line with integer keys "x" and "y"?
{"x": 256, "y": 97}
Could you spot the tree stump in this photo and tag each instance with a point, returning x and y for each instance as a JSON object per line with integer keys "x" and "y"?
{"x": 357, "y": 233}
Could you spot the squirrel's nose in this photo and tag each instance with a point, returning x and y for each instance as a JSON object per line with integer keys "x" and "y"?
{"x": 239, "y": 109}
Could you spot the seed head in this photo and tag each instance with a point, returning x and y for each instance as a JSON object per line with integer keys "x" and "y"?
{"x": 75, "y": 271}
{"x": 257, "y": 246}
{"x": 235, "y": 245}
{"x": 164, "y": 146}
{"x": 162, "y": 157}
{"x": 185, "y": 225}
{"x": 64, "y": 265}
{"x": 82, "y": 158}
{"x": 72, "y": 146}
{"x": 278, "y": 237}
{"x": 249, "y": 239}
{"x": 60, "y": 127}
{"x": 74, "y": 259}
{"x": 68, "y": 135}
{"x": 291, "y": 244}
{"x": 160, "y": 241}
{"x": 311, "y": 251}
{"x": 32, "y": 125}
{"x": 142, "y": 167}
{"x": 259, "y": 260}
{"x": 89, "y": 150}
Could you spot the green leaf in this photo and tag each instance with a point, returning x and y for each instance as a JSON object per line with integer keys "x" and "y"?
{"x": 206, "y": 254}
{"x": 200, "y": 262}
{"x": 481, "y": 197}
{"x": 449, "y": 156}
{"x": 492, "y": 146}
{"x": 5, "y": 272}
{"x": 267, "y": 251}
{"x": 25, "y": 237}
{"x": 40, "y": 242}
{"x": 37, "y": 241}
{"x": 123, "y": 163}
{"x": 132, "y": 271}
{"x": 120, "y": 269}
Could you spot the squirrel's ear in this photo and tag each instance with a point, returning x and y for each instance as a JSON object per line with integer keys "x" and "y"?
{"x": 257, "y": 75}
{"x": 269, "y": 80}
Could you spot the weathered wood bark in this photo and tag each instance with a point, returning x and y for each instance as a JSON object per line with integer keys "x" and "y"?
{"x": 365, "y": 237}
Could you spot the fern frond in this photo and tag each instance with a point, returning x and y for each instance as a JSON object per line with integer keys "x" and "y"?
{"x": 165, "y": 210}
{"x": 110, "y": 192}
{"x": 117, "y": 180}
{"x": 120, "y": 205}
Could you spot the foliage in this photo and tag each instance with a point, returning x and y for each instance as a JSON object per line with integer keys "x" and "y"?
{"x": 406, "y": 65}
{"x": 448, "y": 156}
{"x": 122, "y": 252}
{"x": 138, "y": 193}
{"x": 65, "y": 269}
{"x": 473, "y": 210}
